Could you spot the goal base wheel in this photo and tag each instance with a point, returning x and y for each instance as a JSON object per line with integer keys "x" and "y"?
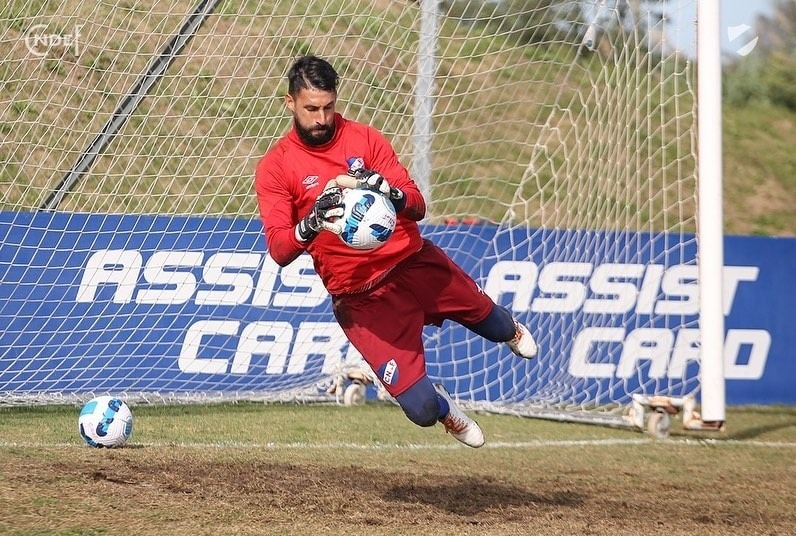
{"x": 658, "y": 424}
{"x": 354, "y": 394}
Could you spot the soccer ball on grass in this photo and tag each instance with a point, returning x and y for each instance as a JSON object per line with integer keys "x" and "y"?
{"x": 105, "y": 421}
{"x": 368, "y": 220}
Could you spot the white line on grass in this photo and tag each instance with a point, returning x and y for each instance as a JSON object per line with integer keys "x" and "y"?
{"x": 413, "y": 446}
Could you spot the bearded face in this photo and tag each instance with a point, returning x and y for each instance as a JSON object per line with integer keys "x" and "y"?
{"x": 313, "y": 115}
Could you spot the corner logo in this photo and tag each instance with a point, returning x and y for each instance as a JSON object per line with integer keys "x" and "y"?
{"x": 736, "y": 32}
{"x": 39, "y": 43}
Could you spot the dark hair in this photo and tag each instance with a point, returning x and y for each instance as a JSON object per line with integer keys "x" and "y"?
{"x": 311, "y": 72}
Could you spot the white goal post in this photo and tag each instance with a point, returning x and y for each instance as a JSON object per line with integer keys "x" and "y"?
{"x": 711, "y": 215}
{"x": 556, "y": 142}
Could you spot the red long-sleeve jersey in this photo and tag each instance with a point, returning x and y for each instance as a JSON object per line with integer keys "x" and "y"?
{"x": 292, "y": 174}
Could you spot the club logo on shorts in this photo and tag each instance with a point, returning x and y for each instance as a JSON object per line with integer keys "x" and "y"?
{"x": 389, "y": 372}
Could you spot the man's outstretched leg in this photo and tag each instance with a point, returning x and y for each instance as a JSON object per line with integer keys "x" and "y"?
{"x": 523, "y": 344}
{"x": 425, "y": 404}
{"x": 501, "y": 326}
{"x": 457, "y": 423}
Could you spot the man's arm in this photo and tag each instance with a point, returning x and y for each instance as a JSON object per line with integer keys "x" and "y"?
{"x": 287, "y": 234}
{"x": 277, "y": 215}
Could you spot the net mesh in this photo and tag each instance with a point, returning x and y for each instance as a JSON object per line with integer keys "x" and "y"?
{"x": 561, "y": 133}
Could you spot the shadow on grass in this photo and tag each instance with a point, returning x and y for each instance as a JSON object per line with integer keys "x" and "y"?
{"x": 757, "y": 431}
{"x": 470, "y": 496}
{"x": 777, "y": 423}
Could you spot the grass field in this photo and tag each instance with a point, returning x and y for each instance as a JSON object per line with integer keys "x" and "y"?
{"x": 288, "y": 469}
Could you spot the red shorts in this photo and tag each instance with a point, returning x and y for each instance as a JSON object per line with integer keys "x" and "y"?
{"x": 386, "y": 323}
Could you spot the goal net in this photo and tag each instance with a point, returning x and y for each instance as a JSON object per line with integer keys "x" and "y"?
{"x": 554, "y": 141}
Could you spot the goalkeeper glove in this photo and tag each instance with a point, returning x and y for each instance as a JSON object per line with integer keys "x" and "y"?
{"x": 328, "y": 207}
{"x": 372, "y": 180}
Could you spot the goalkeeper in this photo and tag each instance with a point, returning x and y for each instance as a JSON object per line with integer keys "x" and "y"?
{"x": 381, "y": 298}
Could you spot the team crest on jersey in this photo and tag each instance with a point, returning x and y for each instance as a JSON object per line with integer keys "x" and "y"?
{"x": 309, "y": 181}
{"x": 355, "y": 163}
{"x": 389, "y": 372}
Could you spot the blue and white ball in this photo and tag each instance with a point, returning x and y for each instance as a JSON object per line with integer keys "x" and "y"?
{"x": 105, "y": 421}
{"x": 368, "y": 220}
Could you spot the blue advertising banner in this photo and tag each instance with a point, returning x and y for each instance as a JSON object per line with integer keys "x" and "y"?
{"x": 137, "y": 303}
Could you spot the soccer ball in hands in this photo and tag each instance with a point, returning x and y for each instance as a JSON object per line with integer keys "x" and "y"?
{"x": 368, "y": 220}
{"x": 105, "y": 421}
